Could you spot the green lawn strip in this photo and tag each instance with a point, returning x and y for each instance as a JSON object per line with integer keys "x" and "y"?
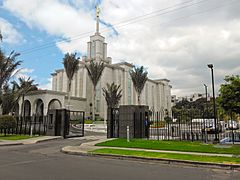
{"x": 172, "y": 146}
{"x": 197, "y": 158}
{"x": 15, "y": 137}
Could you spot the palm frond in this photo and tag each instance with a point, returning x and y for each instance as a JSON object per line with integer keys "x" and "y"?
{"x": 95, "y": 70}
{"x": 112, "y": 95}
{"x": 139, "y": 78}
{"x": 70, "y": 62}
{"x": 8, "y": 65}
{"x": 24, "y": 86}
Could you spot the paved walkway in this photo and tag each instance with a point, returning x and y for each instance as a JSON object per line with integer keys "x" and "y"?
{"x": 28, "y": 141}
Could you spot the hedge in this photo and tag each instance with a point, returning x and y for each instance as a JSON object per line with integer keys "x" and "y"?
{"x": 7, "y": 122}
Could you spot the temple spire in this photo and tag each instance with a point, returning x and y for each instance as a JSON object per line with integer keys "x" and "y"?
{"x": 97, "y": 19}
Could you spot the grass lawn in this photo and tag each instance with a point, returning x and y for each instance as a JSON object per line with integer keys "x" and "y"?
{"x": 173, "y": 146}
{"x": 14, "y": 137}
{"x": 213, "y": 159}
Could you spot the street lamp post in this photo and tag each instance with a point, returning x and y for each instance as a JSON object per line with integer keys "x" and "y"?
{"x": 214, "y": 104}
{"x": 206, "y": 113}
{"x": 206, "y": 96}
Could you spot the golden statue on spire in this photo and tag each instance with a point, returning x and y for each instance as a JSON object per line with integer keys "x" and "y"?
{"x": 97, "y": 11}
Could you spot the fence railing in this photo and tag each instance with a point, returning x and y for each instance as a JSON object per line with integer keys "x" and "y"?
{"x": 191, "y": 126}
{"x": 28, "y": 125}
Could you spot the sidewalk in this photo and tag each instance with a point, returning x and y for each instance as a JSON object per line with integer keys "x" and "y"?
{"x": 84, "y": 149}
{"x": 28, "y": 141}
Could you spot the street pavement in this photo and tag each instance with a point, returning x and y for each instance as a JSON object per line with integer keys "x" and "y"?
{"x": 44, "y": 161}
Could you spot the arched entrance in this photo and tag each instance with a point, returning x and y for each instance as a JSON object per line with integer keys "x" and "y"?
{"x": 27, "y": 108}
{"x": 54, "y": 104}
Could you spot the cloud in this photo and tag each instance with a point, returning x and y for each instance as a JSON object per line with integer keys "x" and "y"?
{"x": 47, "y": 85}
{"x": 176, "y": 45}
{"x": 10, "y": 34}
{"x": 55, "y": 17}
{"x": 23, "y": 73}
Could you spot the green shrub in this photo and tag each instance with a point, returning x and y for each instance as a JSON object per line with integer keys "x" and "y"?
{"x": 157, "y": 124}
{"x": 7, "y": 122}
{"x": 88, "y": 121}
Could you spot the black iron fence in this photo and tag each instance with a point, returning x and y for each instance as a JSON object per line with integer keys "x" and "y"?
{"x": 192, "y": 126}
{"x": 28, "y": 125}
{"x": 57, "y": 123}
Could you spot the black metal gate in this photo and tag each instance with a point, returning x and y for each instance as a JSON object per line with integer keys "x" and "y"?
{"x": 74, "y": 126}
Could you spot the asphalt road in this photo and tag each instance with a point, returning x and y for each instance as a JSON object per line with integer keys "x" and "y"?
{"x": 44, "y": 161}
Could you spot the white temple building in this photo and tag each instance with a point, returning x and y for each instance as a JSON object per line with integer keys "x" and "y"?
{"x": 156, "y": 93}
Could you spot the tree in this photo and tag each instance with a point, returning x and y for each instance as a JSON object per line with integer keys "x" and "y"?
{"x": 95, "y": 71}
{"x": 112, "y": 95}
{"x": 229, "y": 98}
{"x": 9, "y": 100}
{"x": 22, "y": 88}
{"x": 139, "y": 78}
{"x": 7, "y": 122}
{"x": 70, "y": 62}
{"x": 8, "y": 66}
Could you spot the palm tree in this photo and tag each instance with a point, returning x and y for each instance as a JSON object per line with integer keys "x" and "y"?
{"x": 70, "y": 63}
{"x": 112, "y": 95}
{"x": 95, "y": 71}
{"x": 22, "y": 88}
{"x": 8, "y": 66}
{"x": 139, "y": 78}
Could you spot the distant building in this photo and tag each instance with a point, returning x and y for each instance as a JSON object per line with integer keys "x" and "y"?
{"x": 190, "y": 98}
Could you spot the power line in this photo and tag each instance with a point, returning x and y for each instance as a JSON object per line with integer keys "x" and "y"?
{"x": 200, "y": 12}
{"x": 120, "y": 24}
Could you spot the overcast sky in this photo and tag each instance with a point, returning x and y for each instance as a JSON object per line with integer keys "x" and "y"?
{"x": 173, "y": 39}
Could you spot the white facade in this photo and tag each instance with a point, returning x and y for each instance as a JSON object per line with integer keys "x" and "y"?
{"x": 156, "y": 93}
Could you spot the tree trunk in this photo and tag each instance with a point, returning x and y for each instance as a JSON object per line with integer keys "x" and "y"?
{"x": 139, "y": 101}
{"x": 1, "y": 94}
{"x": 23, "y": 107}
{"x": 94, "y": 97}
{"x": 69, "y": 91}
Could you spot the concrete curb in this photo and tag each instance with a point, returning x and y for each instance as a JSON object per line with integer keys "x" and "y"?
{"x": 29, "y": 141}
{"x": 48, "y": 139}
{"x": 11, "y": 144}
{"x": 160, "y": 160}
